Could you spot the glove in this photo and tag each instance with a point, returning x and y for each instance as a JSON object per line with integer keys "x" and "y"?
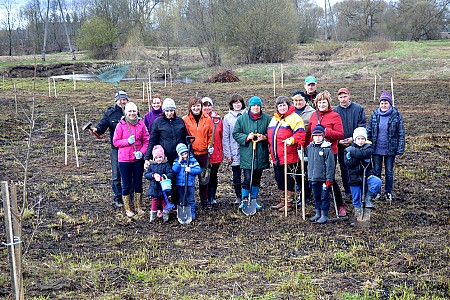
{"x": 289, "y": 142}
{"x": 210, "y": 150}
{"x": 157, "y": 177}
{"x": 131, "y": 139}
{"x": 367, "y": 160}
{"x": 348, "y": 156}
{"x": 138, "y": 154}
{"x": 328, "y": 183}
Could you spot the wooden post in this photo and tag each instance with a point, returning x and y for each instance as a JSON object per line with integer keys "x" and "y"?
{"x": 54, "y": 87}
{"x": 65, "y": 142}
{"x": 282, "y": 76}
{"x": 74, "y": 81}
{"x": 165, "y": 77}
{"x": 76, "y": 123}
{"x": 74, "y": 143}
{"x": 17, "y": 231}
{"x": 273, "y": 77}
{"x": 49, "y": 88}
{"x": 143, "y": 91}
{"x": 392, "y": 91}
{"x": 375, "y": 89}
{"x": 15, "y": 96}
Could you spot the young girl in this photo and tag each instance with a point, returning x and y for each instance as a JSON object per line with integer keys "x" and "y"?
{"x": 157, "y": 168}
{"x": 186, "y": 163}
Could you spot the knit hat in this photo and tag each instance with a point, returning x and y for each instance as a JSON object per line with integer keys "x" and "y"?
{"x": 318, "y": 130}
{"x": 343, "y": 90}
{"x": 158, "y": 151}
{"x": 360, "y": 131}
{"x": 130, "y": 106}
{"x": 310, "y": 79}
{"x": 181, "y": 148}
{"x": 386, "y": 96}
{"x": 122, "y": 94}
{"x": 255, "y": 100}
{"x": 168, "y": 104}
{"x": 207, "y": 99}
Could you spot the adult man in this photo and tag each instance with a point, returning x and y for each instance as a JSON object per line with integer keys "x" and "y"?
{"x": 110, "y": 119}
{"x": 310, "y": 92}
{"x": 353, "y": 116}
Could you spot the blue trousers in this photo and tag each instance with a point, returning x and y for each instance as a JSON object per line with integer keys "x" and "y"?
{"x": 373, "y": 185}
{"x": 389, "y": 161}
{"x": 321, "y": 196}
{"x": 189, "y": 197}
{"x": 131, "y": 173}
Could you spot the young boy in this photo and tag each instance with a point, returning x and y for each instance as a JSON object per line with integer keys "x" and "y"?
{"x": 157, "y": 168}
{"x": 321, "y": 166}
{"x": 186, "y": 164}
{"x": 358, "y": 161}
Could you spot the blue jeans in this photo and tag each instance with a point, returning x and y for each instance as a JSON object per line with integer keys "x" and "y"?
{"x": 256, "y": 180}
{"x": 189, "y": 197}
{"x": 321, "y": 196}
{"x": 373, "y": 185}
{"x": 131, "y": 173}
{"x": 115, "y": 179}
{"x": 343, "y": 167}
{"x": 389, "y": 161}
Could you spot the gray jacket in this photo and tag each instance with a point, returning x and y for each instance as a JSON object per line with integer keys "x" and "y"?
{"x": 229, "y": 144}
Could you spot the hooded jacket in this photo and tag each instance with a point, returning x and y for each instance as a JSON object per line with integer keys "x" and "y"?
{"x": 180, "y": 169}
{"x": 164, "y": 168}
{"x": 321, "y": 164}
{"x": 123, "y": 131}
{"x": 230, "y": 146}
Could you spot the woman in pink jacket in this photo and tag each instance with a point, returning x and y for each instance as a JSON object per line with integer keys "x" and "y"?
{"x": 131, "y": 137}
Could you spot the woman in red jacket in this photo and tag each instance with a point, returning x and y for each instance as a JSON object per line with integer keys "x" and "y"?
{"x": 334, "y": 131}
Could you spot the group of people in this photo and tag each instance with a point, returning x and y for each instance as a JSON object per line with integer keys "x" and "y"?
{"x": 167, "y": 147}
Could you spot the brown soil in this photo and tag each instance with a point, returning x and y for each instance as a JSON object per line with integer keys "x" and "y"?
{"x": 93, "y": 251}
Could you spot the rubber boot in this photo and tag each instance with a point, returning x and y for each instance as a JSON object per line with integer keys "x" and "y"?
{"x": 316, "y": 217}
{"x": 369, "y": 199}
{"x": 323, "y": 218}
{"x": 212, "y": 196}
{"x": 358, "y": 215}
{"x": 237, "y": 191}
{"x": 165, "y": 214}
{"x": 290, "y": 196}
{"x": 153, "y": 216}
{"x": 254, "y": 195}
{"x": 245, "y": 194}
{"x": 137, "y": 203}
{"x": 126, "y": 205}
{"x": 281, "y": 203}
{"x": 118, "y": 201}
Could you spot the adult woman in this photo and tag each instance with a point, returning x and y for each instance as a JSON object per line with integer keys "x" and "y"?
{"x": 230, "y": 146}
{"x": 199, "y": 124}
{"x": 131, "y": 137}
{"x": 167, "y": 131}
{"x": 154, "y": 112}
{"x": 217, "y": 155}
{"x": 252, "y": 126}
{"x": 387, "y": 133}
{"x": 334, "y": 131}
{"x": 287, "y": 127}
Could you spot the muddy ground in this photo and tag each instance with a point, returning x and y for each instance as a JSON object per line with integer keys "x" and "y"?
{"x": 78, "y": 246}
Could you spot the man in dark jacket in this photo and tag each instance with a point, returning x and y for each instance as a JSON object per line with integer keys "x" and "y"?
{"x": 110, "y": 119}
{"x": 353, "y": 116}
{"x": 310, "y": 91}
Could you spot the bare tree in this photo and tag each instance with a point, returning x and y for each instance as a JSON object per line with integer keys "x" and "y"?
{"x": 8, "y": 6}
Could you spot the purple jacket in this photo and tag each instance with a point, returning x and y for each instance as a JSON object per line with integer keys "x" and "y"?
{"x": 150, "y": 117}
{"x": 121, "y": 136}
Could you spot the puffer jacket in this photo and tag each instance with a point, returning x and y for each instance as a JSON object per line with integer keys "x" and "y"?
{"x": 395, "y": 131}
{"x": 230, "y": 146}
{"x": 244, "y": 125}
{"x": 360, "y": 159}
{"x": 217, "y": 155}
{"x": 164, "y": 168}
{"x": 321, "y": 163}
{"x": 282, "y": 127}
{"x": 202, "y": 132}
{"x": 334, "y": 130}
{"x": 180, "y": 170}
{"x": 120, "y": 140}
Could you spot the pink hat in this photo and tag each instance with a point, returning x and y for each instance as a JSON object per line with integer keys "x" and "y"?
{"x": 158, "y": 151}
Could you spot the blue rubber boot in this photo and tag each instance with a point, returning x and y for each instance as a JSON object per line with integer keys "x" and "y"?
{"x": 245, "y": 194}
{"x": 254, "y": 195}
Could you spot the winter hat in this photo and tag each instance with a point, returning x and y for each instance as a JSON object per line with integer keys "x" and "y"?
{"x": 130, "y": 106}
{"x": 207, "y": 99}
{"x": 318, "y": 130}
{"x": 310, "y": 79}
{"x": 343, "y": 90}
{"x": 255, "y": 100}
{"x": 168, "y": 104}
{"x": 158, "y": 151}
{"x": 386, "y": 96}
{"x": 181, "y": 148}
{"x": 360, "y": 131}
{"x": 122, "y": 94}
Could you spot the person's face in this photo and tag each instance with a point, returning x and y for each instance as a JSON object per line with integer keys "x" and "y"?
{"x": 322, "y": 105}
{"x": 184, "y": 155}
{"x": 132, "y": 114}
{"x": 360, "y": 140}
{"x": 237, "y": 106}
{"x": 310, "y": 88}
{"x": 282, "y": 108}
{"x": 169, "y": 113}
{"x": 299, "y": 102}
{"x": 384, "y": 105}
{"x": 207, "y": 107}
{"x": 156, "y": 103}
{"x": 196, "y": 109}
{"x": 256, "y": 109}
{"x": 121, "y": 102}
{"x": 344, "y": 99}
{"x": 317, "y": 138}
{"x": 159, "y": 159}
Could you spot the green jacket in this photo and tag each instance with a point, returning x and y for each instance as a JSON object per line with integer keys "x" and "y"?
{"x": 244, "y": 125}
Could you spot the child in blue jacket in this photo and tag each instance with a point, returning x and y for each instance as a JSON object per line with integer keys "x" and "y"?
{"x": 186, "y": 164}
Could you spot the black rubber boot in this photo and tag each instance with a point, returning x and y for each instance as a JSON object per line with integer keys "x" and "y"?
{"x": 212, "y": 196}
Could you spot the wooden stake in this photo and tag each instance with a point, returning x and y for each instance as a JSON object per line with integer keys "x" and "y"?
{"x": 17, "y": 231}
{"x": 65, "y": 142}
{"x": 392, "y": 91}
{"x": 74, "y": 81}
{"x": 54, "y": 87}
{"x": 165, "y": 77}
{"x": 273, "y": 77}
{"x": 15, "y": 97}
{"x": 49, "y": 88}
{"x": 143, "y": 91}
{"x": 170, "y": 75}
{"x": 74, "y": 143}
{"x": 76, "y": 123}
{"x": 375, "y": 89}
{"x": 285, "y": 180}
{"x": 282, "y": 76}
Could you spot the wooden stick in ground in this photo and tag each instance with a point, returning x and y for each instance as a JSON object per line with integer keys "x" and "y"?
{"x": 76, "y": 123}
{"x": 375, "y": 89}
{"x": 54, "y": 87}
{"x": 285, "y": 179}
{"x": 302, "y": 164}
{"x": 273, "y": 77}
{"x": 165, "y": 77}
{"x": 74, "y": 81}
{"x": 392, "y": 91}
{"x": 49, "y": 88}
{"x": 143, "y": 91}
{"x": 282, "y": 76}
{"x": 15, "y": 97}
{"x": 74, "y": 143}
{"x": 65, "y": 141}
{"x": 17, "y": 231}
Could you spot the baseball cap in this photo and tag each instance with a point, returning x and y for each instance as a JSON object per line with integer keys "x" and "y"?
{"x": 310, "y": 79}
{"x": 343, "y": 90}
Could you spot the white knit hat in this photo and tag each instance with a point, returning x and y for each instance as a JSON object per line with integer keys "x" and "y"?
{"x": 207, "y": 99}
{"x": 168, "y": 104}
{"x": 360, "y": 131}
{"x": 130, "y": 106}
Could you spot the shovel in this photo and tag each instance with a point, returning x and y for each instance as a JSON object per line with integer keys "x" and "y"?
{"x": 249, "y": 205}
{"x": 365, "y": 216}
{"x": 184, "y": 214}
{"x": 206, "y": 171}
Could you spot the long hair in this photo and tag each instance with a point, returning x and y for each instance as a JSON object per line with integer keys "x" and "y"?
{"x": 192, "y": 101}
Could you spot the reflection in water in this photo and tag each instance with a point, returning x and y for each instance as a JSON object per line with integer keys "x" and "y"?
{"x": 94, "y": 77}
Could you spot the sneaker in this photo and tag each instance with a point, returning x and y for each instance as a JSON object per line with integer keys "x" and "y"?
{"x": 378, "y": 196}
{"x": 388, "y": 197}
{"x": 341, "y": 211}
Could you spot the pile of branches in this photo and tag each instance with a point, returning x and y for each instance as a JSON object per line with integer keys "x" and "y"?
{"x": 222, "y": 76}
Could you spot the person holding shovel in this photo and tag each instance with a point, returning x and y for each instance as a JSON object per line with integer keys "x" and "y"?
{"x": 199, "y": 124}
{"x": 131, "y": 137}
{"x": 217, "y": 155}
{"x": 286, "y": 127}
{"x": 252, "y": 127}
{"x": 110, "y": 119}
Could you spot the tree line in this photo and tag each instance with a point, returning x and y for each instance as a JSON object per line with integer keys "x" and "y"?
{"x": 249, "y": 31}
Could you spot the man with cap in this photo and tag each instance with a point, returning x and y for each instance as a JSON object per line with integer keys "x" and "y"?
{"x": 310, "y": 92}
{"x": 353, "y": 116}
{"x": 110, "y": 119}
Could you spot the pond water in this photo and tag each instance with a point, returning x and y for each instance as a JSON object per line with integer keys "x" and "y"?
{"x": 94, "y": 77}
